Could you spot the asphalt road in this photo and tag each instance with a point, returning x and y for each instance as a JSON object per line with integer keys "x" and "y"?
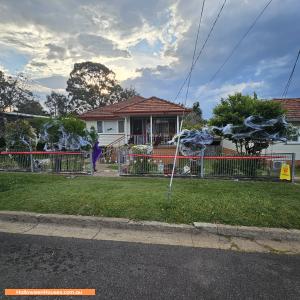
{"x": 119, "y": 270}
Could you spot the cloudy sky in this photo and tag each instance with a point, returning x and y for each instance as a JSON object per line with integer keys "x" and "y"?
{"x": 149, "y": 44}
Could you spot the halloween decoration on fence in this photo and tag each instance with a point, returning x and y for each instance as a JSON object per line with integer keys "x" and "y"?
{"x": 256, "y": 133}
{"x": 193, "y": 142}
{"x": 56, "y": 137}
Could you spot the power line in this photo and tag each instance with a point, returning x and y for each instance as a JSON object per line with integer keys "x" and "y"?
{"x": 201, "y": 50}
{"x": 290, "y": 77}
{"x": 188, "y": 78}
{"x": 240, "y": 41}
{"x": 194, "y": 52}
{"x": 186, "y": 95}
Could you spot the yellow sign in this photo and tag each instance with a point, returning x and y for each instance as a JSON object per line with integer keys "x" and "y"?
{"x": 285, "y": 172}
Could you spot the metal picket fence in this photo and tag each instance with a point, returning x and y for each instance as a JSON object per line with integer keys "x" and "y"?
{"x": 220, "y": 165}
{"x": 48, "y": 162}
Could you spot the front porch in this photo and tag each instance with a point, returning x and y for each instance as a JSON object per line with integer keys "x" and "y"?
{"x": 154, "y": 130}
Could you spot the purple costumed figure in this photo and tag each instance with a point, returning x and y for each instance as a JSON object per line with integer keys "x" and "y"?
{"x": 96, "y": 154}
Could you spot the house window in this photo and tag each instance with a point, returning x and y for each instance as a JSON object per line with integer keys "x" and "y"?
{"x": 295, "y": 138}
{"x": 121, "y": 126}
{"x": 110, "y": 127}
{"x": 100, "y": 126}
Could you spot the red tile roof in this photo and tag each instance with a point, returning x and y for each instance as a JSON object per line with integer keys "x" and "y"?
{"x": 135, "y": 106}
{"x": 292, "y": 107}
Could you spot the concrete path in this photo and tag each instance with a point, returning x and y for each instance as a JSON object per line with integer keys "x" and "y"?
{"x": 187, "y": 239}
{"x": 105, "y": 170}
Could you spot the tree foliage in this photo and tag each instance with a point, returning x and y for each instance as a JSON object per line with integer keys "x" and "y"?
{"x": 92, "y": 85}
{"x": 15, "y": 95}
{"x": 20, "y": 135}
{"x": 235, "y": 109}
{"x": 194, "y": 120}
{"x": 5, "y": 86}
{"x": 58, "y": 105}
{"x": 12, "y": 91}
{"x": 30, "y": 106}
{"x": 119, "y": 94}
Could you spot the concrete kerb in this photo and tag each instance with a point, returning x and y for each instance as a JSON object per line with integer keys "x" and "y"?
{"x": 121, "y": 223}
{"x": 279, "y": 234}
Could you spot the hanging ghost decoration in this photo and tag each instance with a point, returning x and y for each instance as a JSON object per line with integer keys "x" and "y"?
{"x": 193, "y": 142}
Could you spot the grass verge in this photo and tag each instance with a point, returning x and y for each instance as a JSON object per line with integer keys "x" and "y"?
{"x": 248, "y": 203}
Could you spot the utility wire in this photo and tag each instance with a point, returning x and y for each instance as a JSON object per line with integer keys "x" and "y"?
{"x": 194, "y": 61}
{"x": 201, "y": 50}
{"x": 290, "y": 77}
{"x": 240, "y": 41}
{"x": 186, "y": 95}
{"x": 188, "y": 78}
{"x": 194, "y": 52}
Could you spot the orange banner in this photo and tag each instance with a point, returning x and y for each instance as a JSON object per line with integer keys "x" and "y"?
{"x": 50, "y": 292}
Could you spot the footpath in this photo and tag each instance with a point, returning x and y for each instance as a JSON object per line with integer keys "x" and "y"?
{"x": 203, "y": 235}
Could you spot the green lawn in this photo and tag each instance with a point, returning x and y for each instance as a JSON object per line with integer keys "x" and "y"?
{"x": 297, "y": 171}
{"x": 232, "y": 202}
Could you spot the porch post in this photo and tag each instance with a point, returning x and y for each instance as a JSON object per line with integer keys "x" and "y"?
{"x": 129, "y": 129}
{"x": 125, "y": 131}
{"x": 177, "y": 125}
{"x": 151, "y": 133}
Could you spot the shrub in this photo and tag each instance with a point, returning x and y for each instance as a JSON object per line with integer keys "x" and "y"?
{"x": 20, "y": 135}
{"x": 233, "y": 167}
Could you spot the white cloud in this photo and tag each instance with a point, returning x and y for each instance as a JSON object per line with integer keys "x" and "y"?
{"x": 53, "y": 35}
{"x": 272, "y": 65}
{"x": 215, "y": 94}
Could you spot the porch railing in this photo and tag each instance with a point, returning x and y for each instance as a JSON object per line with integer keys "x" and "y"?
{"x": 141, "y": 139}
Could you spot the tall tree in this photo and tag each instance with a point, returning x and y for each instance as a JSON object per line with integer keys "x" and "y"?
{"x": 58, "y": 104}
{"x": 119, "y": 94}
{"x": 93, "y": 85}
{"x": 197, "y": 110}
{"x": 7, "y": 85}
{"x": 194, "y": 120}
{"x": 89, "y": 85}
{"x": 13, "y": 91}
{"x": 30, "y": 106}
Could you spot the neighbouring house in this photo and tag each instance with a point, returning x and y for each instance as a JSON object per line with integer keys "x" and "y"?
{"x": 138, "y": 120}
{"x": 292, "y": 107}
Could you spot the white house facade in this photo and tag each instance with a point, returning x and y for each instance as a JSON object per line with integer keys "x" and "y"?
{"x": 136, "y": 121}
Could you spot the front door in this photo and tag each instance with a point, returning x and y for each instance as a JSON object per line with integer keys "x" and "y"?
{"x": 139, "y": 130}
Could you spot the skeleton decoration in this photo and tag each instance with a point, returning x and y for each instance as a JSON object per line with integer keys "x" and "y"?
{"x": 193, "y": 142}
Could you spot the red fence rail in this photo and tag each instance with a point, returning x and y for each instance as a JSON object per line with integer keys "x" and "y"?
{"x": 265, "y": 166}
